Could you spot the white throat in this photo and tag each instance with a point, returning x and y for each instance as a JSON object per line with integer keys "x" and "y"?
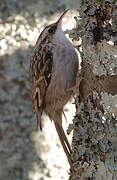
{"x": 60, "y": 36}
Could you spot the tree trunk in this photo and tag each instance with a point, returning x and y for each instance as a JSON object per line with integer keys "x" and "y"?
{"x": 95, "y": 124}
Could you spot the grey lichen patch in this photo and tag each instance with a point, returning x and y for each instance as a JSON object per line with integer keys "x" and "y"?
{"x": 102, "y": 173}
{"x": 106, "y": 59}
{"x": 103, "y": 57}
{"x": 93, "y": 142}
{"x": 100, "y": 25}
{"x": 109, "y": 103}
{"x": 111, "y": 162}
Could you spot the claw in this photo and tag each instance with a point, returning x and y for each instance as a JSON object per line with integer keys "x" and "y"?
{"x": 75, "y": 88}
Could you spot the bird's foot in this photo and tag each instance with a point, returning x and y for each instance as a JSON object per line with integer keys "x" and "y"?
{"x": 75, "y": 88}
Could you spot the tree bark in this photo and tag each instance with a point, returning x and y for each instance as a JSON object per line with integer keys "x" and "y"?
{"x": 95, "y": 124}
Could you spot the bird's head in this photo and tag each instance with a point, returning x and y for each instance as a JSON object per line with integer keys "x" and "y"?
{"x": 51, "y": 30}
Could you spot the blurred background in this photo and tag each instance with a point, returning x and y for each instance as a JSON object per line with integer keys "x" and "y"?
{"x": 25, "y": 152}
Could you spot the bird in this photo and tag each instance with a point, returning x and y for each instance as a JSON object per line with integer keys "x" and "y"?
{"x": 53, "y": 70}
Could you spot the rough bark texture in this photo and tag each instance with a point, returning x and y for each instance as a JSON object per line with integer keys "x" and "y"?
{"x": 95, "y": 124}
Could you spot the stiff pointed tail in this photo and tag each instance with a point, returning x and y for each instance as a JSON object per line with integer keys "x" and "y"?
{"x": 63, "y": 139}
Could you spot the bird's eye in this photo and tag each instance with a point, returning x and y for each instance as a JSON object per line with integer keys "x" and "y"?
{"x": 50, "y": 30}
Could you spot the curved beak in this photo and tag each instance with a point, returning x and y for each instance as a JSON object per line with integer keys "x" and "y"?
{"x": 61, "y": 17}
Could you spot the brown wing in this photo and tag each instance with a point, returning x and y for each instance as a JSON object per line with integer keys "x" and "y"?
{"x": 40, "y": 75}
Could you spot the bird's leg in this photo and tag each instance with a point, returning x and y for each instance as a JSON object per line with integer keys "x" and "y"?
{"x": 62, "y": 137}
{"x": 75, "y": 88}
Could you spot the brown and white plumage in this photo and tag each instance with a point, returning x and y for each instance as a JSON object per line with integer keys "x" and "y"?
{"x": 53, "y": 70}
{"x": 40, "y": 73}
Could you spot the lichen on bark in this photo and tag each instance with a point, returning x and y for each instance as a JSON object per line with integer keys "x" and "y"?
{"x": 95, "y": 124}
